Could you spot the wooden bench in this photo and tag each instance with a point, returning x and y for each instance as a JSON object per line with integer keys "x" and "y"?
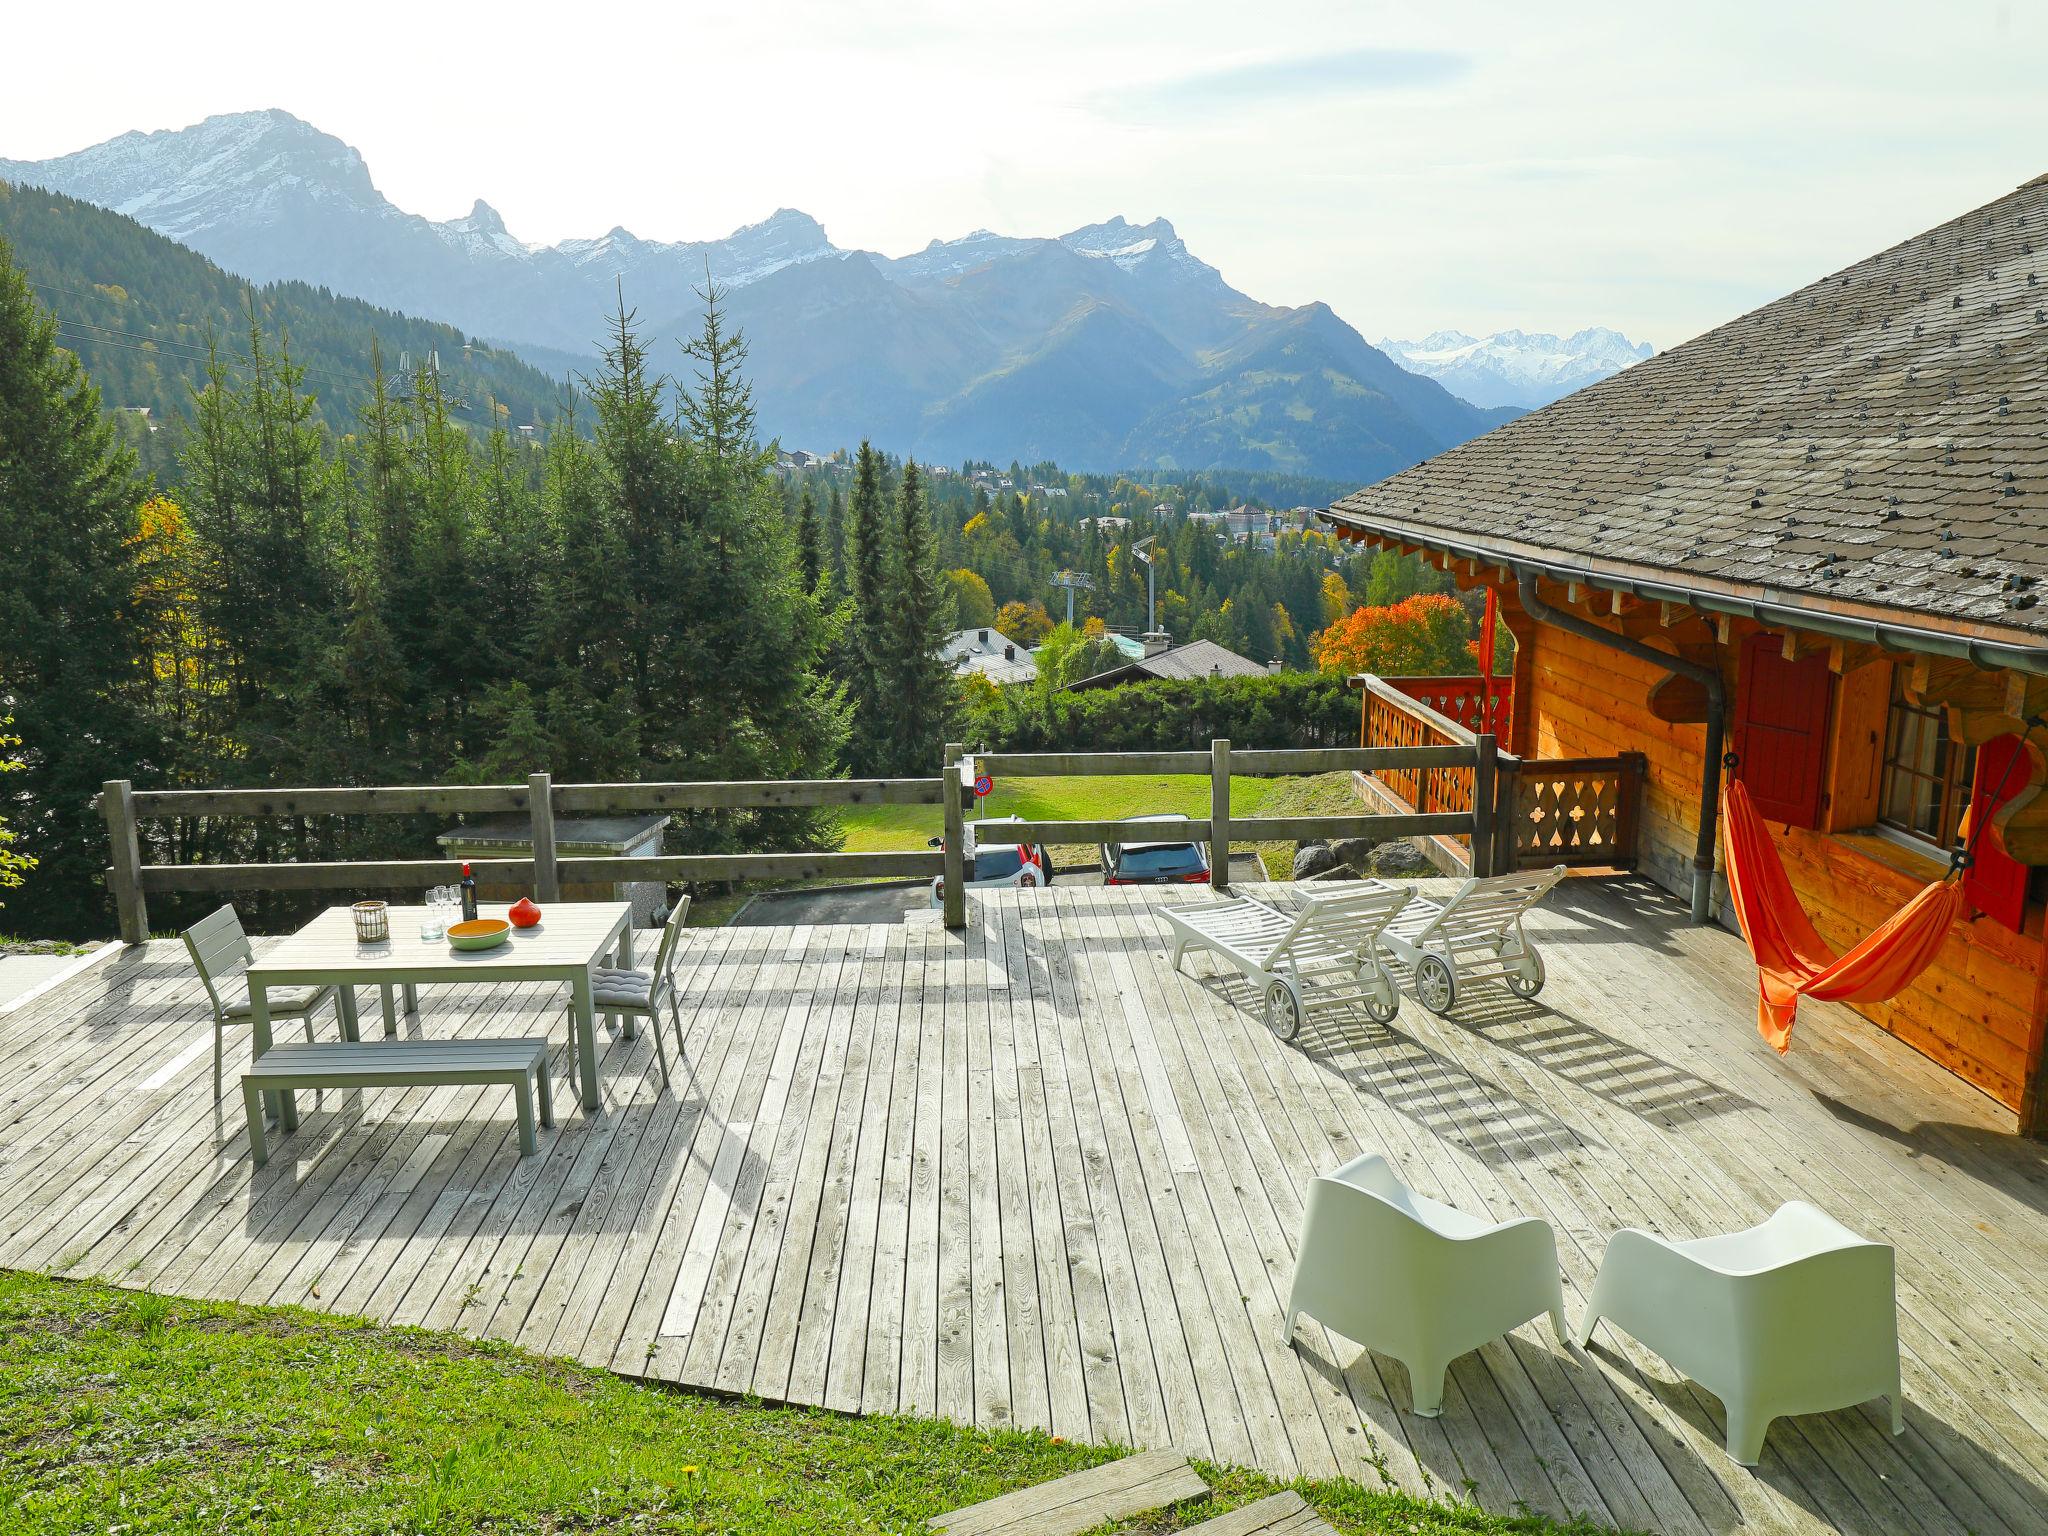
{"x": 520, "y": 1063}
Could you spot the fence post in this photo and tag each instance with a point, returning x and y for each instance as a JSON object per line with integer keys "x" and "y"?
{"x": 956, "y": 838}
{"x": 540, "y": 805}
{"x": 124, "y": 875}
{"x": 1628, "y": 809}
{"x": 1507, "y": 771}
{"x": 1484, "y": 748}
{"x": 1219, "y": 813}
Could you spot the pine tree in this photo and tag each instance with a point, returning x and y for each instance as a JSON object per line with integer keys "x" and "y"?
{"x": 264, "y": 494}
{"x": 867, "y": 580}
{"x": 760, "y": 710}
{"x": 917, "y": 686}
{"x": 810, "y": 549}
{"x": 835, "y": 539}
{"x": 70, "y": 632}
{"x": 640, "y": 483}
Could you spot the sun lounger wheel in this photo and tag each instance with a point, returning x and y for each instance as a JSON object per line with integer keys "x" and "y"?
{"x": 1436, "y": 984}
{"x": 1528, "y": 981}
{"x": 1382, "y": 1012}
{"x": 1283, "y": 1008}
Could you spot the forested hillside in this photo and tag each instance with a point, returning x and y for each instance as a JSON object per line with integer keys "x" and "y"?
{"x": 351, "y": 585}
{"x": 140, "y": 311}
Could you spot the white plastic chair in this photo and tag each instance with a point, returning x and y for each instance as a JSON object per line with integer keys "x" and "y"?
{"x": 1416, "y": 1279}
{"x": 1797, "y": 1315}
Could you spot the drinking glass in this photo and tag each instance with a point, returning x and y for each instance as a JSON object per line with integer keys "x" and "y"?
{"x": 434, "y": 920}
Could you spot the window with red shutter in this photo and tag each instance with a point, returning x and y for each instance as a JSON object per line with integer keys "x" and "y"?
{"x": 1995, "y": 881}
{"x": 1781, "y": 729}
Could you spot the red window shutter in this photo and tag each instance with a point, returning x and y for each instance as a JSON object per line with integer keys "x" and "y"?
{"x": 1995, "y": 882}
{"x": 1781, "y": 730}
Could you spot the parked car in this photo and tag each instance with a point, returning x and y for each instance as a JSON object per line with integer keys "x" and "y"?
{"x": 1163, "y": 863}
{"x": 992, "y": 863}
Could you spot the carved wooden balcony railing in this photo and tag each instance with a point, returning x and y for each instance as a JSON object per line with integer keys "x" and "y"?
{"x": 1580, "y": 812}
{"x": 1459, "y": 699}
{"x": 1577, "y": 811}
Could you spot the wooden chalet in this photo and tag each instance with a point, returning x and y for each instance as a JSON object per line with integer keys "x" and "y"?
{"x": 1811, "y": 546}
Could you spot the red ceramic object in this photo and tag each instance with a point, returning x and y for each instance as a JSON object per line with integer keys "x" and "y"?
{"x": 524, "y": 913}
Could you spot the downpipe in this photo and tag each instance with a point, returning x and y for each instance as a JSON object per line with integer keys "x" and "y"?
{"x": 1709, "y": 678}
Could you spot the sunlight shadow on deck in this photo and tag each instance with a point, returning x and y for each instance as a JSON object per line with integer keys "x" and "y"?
{"x": 1574, "y": 1052}
{"x": 475, "y": 1155}
{"x": 1435, "y": 1092}
{"x": 1582, "y": 912}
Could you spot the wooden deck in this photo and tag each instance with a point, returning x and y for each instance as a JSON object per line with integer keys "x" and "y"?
{"x": 1026, "y": 1175}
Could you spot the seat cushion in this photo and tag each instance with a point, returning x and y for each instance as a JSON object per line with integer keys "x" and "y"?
{"x": 612, "y": 987}
{"x": 284, "y": 1001}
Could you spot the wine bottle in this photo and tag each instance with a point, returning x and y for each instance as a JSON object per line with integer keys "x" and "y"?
{"x": 468, "y": 895}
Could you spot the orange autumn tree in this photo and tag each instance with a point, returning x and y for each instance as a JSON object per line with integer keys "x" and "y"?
{"x": 1421, "y": 636}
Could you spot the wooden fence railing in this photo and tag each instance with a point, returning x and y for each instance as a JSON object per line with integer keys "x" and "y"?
{"x": 1475, "y": 758}
{"x": 133, "y": 882}
{"x": 1579, "y": 812}
{"x": 1461, "y": 699}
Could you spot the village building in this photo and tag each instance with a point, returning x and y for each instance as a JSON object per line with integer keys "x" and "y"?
{"x": 988, "y": 653}
{"x": 1198, "y": 658}
{"x": 1806, "y": 549}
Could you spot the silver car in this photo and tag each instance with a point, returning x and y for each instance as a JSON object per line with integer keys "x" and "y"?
{"x": 992, "y": 863}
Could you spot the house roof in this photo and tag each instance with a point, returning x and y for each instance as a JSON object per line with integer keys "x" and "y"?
{"x": 1874, "y": 445}
{"x": 990, "y": 652}
{"x": 1198, "y": 658}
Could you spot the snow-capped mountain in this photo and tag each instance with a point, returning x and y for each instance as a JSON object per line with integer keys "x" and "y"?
{"x": 269, "y": 196}
{"x": 1110, "y": 346}
{"x": 1517, "y": 367}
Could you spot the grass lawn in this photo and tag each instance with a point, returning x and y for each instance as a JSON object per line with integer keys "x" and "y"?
{"x": 124, "y": 1411}
{"x": 9, "y": 945}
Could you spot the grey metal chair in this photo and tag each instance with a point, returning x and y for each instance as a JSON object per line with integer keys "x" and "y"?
{"x": 218, "y": 946}
{"x": 616, "y": 990}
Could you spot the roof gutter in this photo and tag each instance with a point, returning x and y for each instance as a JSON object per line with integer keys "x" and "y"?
{"x": 1995, "y": 655}
{"x": 1709, "y": 678}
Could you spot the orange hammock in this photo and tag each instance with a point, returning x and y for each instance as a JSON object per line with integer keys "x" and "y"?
{"x": 1792, "y": 961}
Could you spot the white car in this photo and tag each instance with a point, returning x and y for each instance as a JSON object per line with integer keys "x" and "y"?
{"x": 992, "y": 863}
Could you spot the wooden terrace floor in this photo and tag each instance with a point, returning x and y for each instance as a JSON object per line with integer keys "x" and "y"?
{"x": 1028, "y": 1176}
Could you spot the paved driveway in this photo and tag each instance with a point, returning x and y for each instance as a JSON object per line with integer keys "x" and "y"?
{"x": 889, "y": 903}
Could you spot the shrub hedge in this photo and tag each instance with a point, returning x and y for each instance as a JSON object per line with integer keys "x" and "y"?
{"x": 1290, "y": 709}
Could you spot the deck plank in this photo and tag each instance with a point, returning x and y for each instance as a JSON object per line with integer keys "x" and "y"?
{"x": 1028, "y": 1175}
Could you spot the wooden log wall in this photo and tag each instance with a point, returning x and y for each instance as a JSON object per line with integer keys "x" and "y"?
{"x": 1977, "y": 1010}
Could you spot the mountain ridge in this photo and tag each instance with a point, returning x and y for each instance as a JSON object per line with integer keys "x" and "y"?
{"x": 981, "y": 345}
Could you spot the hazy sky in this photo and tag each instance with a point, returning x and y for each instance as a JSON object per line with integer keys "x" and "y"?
{"x": 1656, "y": 167}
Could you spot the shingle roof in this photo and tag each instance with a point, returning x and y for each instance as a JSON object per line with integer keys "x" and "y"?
{"x": 1198, "y": 658}
{"x": 1876, "y": 439}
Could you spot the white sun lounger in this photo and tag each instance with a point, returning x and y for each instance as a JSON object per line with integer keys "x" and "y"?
{"x": 1331, "y": 934}
{"x": 1475, "y": 936}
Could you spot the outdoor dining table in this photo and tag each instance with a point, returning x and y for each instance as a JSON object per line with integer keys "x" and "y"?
{"x": 563, "y": 946}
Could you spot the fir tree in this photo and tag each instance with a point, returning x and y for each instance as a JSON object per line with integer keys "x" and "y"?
{"x": 835, "y": 539}
{"x": 917, "y": 685}
{"x": 70, "y": 633}
{"x": 264, "y": 494}
{"x": 810, "y": 549}
{"x": 867, "y": 580}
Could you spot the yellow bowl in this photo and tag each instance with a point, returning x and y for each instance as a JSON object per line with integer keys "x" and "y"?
{"x": 480, "y": 933}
